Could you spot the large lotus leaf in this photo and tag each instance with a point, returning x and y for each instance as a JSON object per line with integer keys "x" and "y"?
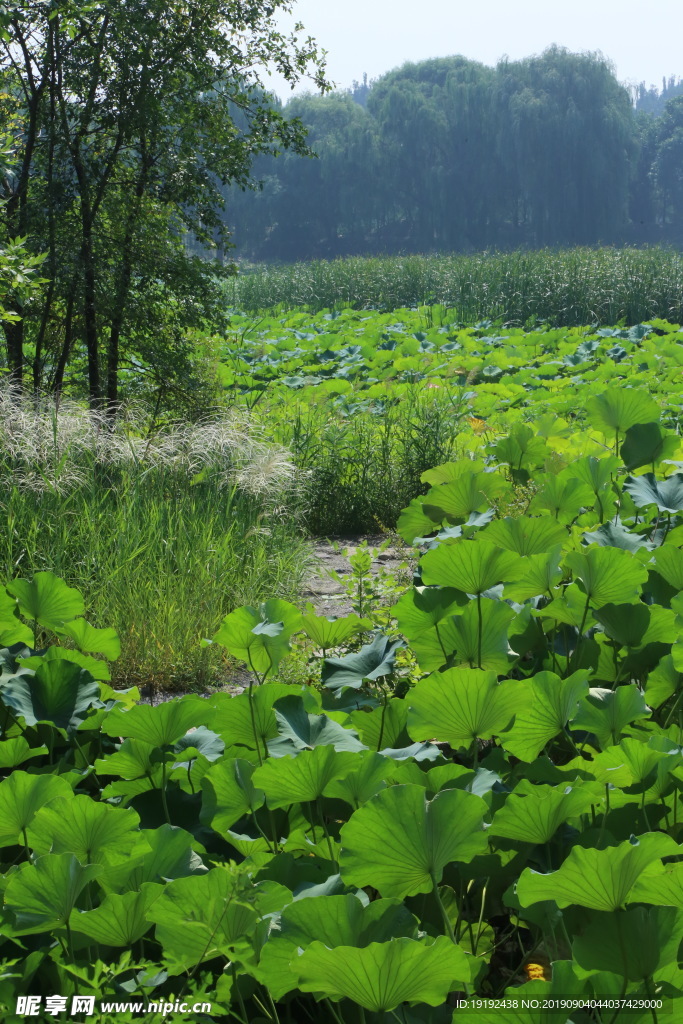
{"x": 21, "y": 797}
{"x": 533, "y": 814}
{"x": 384, "y": 726}
{"x": 373, "y": 661}
{"x": 421, "y": 608}
{"x": 613, "y": 535}
{"x": 17, "y": 750}
{"x": 43, "y": 894}
{"x": 470, "y": 566}
{"x": 646, "y": 444}
{"x": 646, "y": 490}
{"x": 91, "y": 640}
{"x": 460, "y": 705}
{"x": 434, "y": 647}
{"x": 483, "y": 643}
{"x": 47, "y": 599}
{"x": 631, "y": 625}
{"x": 414, "y": 522}
{"x": 327, "y": 633}
{"x": 569, "y": 608}
{"x": 457, "y": 500}
{"x": 564, "y": 497}
{"x": 236, "y": 718}
{"x": 368, "y": 776}
{"x": 449, "y": 471}
{"x": 167, "y": 854}
{"x": 630, "y": 762}
{"x": 334, "y": 920}
{"x": 399, "y": 842}
{"x": 538, "y": 574}
{"x": 597, "y": 473}
{"x": 260, "y": 636}
{"x": 669, "y": 563}
{"x": 60, "y": 693}
{"x": 607, "y": 575}
{"x": 621, "y": 408}
{"x": 133, "y": 760}
{"x": 661, "y": 885}
{"x": 551, "y": 703}
{"x": 522, "y": 450}
{"x": 120, "y": 920}
{"x": 526, "y": 535}
{"x": 632, "y": 943}
{"x": 606, "y": 713}
{"x": 161, "y": 725}
{"x": 384, "y": 974}
{"x": 301, "y": 731}
{"x": 96, "y": 833}
{"x": 228, "y": 793}
{"x": 662, "y": 682}
{"x": 597, "y": 879}
{"x": 291, "y": 780}
{"x": 97, "y": 668}
{"x": 200, "y": 917}
{"x": 195, "y": 742}
{"x": 12, "y": 629}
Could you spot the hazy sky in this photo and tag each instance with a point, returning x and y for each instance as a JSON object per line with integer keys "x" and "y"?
{"x": 374, "y": 36}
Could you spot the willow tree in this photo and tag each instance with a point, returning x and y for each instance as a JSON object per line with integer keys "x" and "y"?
{"x": 133, "y": 114}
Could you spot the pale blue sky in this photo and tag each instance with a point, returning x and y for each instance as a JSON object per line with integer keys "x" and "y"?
{"x": 643, "y": 40}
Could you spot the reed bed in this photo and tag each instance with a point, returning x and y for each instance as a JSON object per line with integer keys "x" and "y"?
{"x": 559, "y": 287}
{"x": 163, "y": 534}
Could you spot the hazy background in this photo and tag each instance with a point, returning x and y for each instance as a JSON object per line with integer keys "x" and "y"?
{"x": 374, "y": 36}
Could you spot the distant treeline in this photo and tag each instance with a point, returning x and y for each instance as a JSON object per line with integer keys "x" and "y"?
{"x": 450, "y": 154}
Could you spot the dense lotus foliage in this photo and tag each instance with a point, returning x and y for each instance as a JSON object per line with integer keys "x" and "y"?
{"x": 482, "y": 800}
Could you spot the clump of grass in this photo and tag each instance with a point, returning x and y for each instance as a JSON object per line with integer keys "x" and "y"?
{"x": 163, "y": 534}
{"x": 564, "y": 288}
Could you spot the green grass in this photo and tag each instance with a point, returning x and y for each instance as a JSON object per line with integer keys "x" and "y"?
{"x": 163, "y": 536}
{"x": 563, "y": 288}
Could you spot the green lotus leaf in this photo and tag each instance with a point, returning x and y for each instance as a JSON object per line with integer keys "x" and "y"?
{"x": 597, "y": 879}
{"x": 597, "y": 473}
{"x": 300, "y": 731}
{"x": 646, "y": 490}
{"x": 59, "y": 693}
{"x": 384, "y": 726}
{"x": 630, "y": 762}
{"x": 161, "y": 725}
{"x": 607, "y": 575}
{"x": 631, "y": 625}
{"x": 460, "y": 705}
{"x": 12, "y": 629}
{"x": 236, "y": 718}
{"x": 447, "y": 472}
{"x": 327, "y": 633}
{"x": 260, "y": 636}
{"x": 16, "y": 751}
{"x": 368, "y": 776}
{"x": 414, "y": 522}
{"x": 470, "y": 566}
{"x": 434, "y": 647}
{"x": 646, "y": 444}
{"x": 373, "y": 661}
{"x": 91, "y": 640}
{"x": 482, "y": 643}
{"x": 96, "y": 833}
{"x": 133, "y": 760}
{"x": 617, "y": 536}
{"x": 458, "y": 499}
{"x": 21, "y": 797}
{"x": 632, "y": 944}
{"x": 663, "y": 681}
{"x": 200, "y": 917}
{"x": 399, "y": 842}
{"x": 167, "y": 853}
{"x": 669, "y": 563}
{"x": 606, "y": 713}
{"x": 43, "y": 894}
{"x": 620, "y": 408}
{"x": 533, "y": 814}
{"x": 47, "y": 599}
{"x": 522, "y": 450}
{"x": 551, "y": 703}
{"x": 538, "y": 574}
{"x": 421, "y": 608}
{"x": 228, "y": 793}
{"x": 120, "y": 920}
{"x": 661, "y": 885}
{"x": 564, "y": 497}
{"x": 526, "y": 535}
{"x": 290, "y": 780}
{"x": 383, "y": 975}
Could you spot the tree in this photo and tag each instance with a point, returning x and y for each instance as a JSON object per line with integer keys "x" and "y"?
{"x": 133, "y": 115}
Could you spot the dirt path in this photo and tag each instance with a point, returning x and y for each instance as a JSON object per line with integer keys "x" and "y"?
{"x": 327, "y": 595}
